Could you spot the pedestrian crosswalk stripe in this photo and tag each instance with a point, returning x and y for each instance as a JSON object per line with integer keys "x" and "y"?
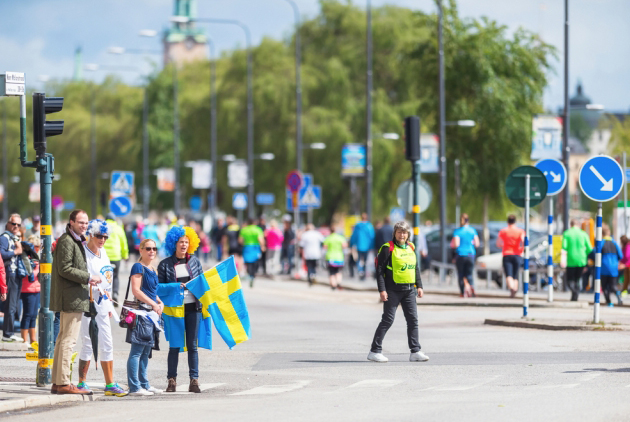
{"x": 375, "y": 383}
{"x": 273, "y": 389}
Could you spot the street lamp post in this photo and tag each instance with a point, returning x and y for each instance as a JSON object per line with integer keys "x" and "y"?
{"x": 368, "y": 117}
{"x": 213, "y": 129}
{"x": 146, "y": 189}
{"x": 250, "y": 100}
{"x": 176, "y": 204}
{"x": 566, "y": 124}
{"x": 443, "y": 220}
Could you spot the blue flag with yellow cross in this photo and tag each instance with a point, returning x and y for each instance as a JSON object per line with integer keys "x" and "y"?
{"x": 219, "y": 291}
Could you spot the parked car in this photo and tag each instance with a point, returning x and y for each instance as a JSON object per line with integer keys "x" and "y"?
{"x": 494, "y": 262}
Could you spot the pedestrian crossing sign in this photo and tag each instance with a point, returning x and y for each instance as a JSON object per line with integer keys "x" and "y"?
{"x": 121, "y": 183}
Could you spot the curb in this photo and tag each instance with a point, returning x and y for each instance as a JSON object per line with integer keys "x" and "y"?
{"x": 13, "y": 347}
{"x": 578, "y": 305}
{"x": 555, "y": 326}
{"x": 37, "y": 401}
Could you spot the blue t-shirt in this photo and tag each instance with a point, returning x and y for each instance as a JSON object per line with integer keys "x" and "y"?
{"x": 466, "y": 236}
{"x": 149, "y": 284}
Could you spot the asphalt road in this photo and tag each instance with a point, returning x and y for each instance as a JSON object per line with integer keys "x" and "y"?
{"x": 306, "y": 361}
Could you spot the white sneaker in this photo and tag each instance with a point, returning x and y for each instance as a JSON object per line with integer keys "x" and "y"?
{"x": 418, "y": 357}
{"x": 155, "y": 390}
{"x": 377, "y": 357}
{"x": 141, "y": 392}
{"x": 17, "y": 338}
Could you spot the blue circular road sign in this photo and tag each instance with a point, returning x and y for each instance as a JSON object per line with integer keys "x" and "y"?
{"x": 556, "y": 175}
{"x": 601, "y": 178}
{"x": 120, "y": 206}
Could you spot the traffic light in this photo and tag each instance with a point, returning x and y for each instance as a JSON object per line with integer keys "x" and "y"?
{"x": 412, "y": 138}
{"x": 42, "y": 128}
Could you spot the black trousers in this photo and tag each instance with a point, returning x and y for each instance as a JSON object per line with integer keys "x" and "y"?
{"x": 115, "y": 282}
{"x": 407, "y": 299}
{"x": 574, "y": 275}
{"x": 14, "y": 287}
{"x": 465, "y": 266}
{"x": 311, "y": 268}
{"x": 263, "y": 262}
{"x": 609, "y": 285}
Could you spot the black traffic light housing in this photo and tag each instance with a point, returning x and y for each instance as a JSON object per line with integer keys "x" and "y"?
{"x": 412, "y": 138}
{"x": 42, "y": 128}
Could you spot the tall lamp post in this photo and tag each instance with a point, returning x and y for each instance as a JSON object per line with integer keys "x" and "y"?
{"x": 5, "y": 170}
{"x": 566, "y": 124}
{"x": 250, "y": 100}
{"x": 93, "y": 68}
{"x": 442, "y": 133}
{"x": 146, "y": 190}
{"x": 368, "y": 116}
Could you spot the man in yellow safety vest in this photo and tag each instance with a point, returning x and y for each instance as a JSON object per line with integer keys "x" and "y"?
{"x": 398, "y": 278}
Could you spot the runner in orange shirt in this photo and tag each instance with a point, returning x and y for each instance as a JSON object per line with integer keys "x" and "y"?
{"x": 511, "y": 240}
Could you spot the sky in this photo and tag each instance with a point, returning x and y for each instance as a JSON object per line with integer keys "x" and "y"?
{"x": 39, "y": 37}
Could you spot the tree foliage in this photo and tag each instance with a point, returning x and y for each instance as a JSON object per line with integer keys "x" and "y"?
{"x": 493, "y": 77}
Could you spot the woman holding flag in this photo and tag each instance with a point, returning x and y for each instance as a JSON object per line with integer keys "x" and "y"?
{"x": 173, "y": 274}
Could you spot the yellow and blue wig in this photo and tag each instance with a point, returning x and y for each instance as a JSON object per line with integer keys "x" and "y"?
{"x": 176, "y": 233}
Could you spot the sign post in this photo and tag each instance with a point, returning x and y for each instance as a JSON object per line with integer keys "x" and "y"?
{"x": 528, "y": 194}
{"x": 556, "y": 176}
{"x": 601, "y": 179}
{"x": 294, "y": 183}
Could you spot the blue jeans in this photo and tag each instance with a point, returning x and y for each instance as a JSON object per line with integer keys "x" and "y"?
{"x": 219, "y": 249}
{"x": 30, "y": 306}
{"x": 137, "y": 367}
{"x": 191, "y": 325}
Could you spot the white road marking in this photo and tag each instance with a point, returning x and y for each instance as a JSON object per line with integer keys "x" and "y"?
{"x": 460, "y": 387}
{"x": 273, "y": 389}
{"x": 375, "y": 383}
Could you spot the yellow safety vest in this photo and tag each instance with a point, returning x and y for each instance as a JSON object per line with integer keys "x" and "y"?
{"x": 403, "y": 264}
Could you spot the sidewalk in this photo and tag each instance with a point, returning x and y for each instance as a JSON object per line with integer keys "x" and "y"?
{"x": 17, "y": 394}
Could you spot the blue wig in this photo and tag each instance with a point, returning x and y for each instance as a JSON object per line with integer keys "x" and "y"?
{"x": 97, "y": 227}
{"x": 173, "y": 235}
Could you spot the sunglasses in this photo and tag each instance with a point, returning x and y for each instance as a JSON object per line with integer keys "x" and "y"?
{"x": 150, "y": 249}
{"x": 15, "y": 224}
{"x": 101, "y": 237}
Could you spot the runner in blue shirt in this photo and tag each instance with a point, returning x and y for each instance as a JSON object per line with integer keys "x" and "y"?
{"x": 465, "y": 240}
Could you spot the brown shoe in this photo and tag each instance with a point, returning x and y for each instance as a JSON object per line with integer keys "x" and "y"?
{"x": 172, "y": 385}
{"x": 53, "y": 389}
{"x": 194, "y": 386}
{"x": 71, "y": 389}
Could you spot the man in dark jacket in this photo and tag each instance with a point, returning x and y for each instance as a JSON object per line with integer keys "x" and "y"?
{"x": 69, "y": 295}
{"x": 398, "y": 278}
{"x": 383, "y": 234}
{"x": 11, "y": 249}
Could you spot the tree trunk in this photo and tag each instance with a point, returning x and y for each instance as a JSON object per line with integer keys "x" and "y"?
{"x": 486, "y": 232}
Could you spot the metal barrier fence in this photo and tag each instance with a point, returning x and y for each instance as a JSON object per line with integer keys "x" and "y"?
{"x": 448, "y": 273}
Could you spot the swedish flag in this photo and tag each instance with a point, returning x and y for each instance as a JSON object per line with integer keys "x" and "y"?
{"x": 173, "y": 316}
{"x": 219, "y": 291}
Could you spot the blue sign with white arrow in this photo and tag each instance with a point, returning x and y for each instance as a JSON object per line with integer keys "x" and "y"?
{"x": 556, "y": 175}
{"x": 120, "y": 206}
{"x": 396, "y": 215}
{"x": 265, "y": 198}
{"x": 239, "y": 201}
{"x": 601, "y": 178}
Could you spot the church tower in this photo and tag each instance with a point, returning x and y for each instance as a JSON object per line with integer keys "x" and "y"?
{"x": 183, "y": 42}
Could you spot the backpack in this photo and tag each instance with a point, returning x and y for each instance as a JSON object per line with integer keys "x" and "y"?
{"x": 391, "y": 249}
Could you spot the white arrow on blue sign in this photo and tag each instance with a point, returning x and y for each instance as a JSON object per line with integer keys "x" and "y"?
{"x": 396, "y": 215}
{"x": 556, "y": 175}
{"x": 120, "y": 206}
{"x": 601, "y": 178}
{"x": 239, "y": 201}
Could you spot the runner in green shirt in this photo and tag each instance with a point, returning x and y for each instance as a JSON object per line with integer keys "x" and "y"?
{"x": 576, "y": 245}
{"x": 334, "y": 245}
{"x": 253, "y": 240}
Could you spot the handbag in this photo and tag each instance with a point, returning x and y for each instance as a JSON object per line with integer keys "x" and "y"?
{"x": 128, "y": 304}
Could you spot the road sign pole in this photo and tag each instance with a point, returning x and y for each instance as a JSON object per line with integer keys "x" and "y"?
{"x": 526, "y": 265}
{"x": 550, "y": 252}
{"x": 598, "y": 262}
{"x": 415, "y": 167}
